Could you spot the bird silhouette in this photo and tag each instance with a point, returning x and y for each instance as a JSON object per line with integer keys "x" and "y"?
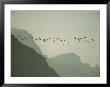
{"x": 39, "y": 38}
{"x": 92, "y": 39}
{"x": 44, "y": 40}
{"x": 78, "y": 39}
{"x": 59, "y": 40}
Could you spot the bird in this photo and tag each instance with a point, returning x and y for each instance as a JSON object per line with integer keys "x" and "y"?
{"x": 92, "y": 39}
{"x": 78, "y": 39}
{"x": 39, "y": 38}
{"x": 44, "y": 40}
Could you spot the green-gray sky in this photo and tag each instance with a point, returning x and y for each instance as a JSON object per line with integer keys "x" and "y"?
{"x": 66, "y": 24}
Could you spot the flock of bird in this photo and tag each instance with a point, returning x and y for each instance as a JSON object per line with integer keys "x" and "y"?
{"x": 56, "y": 40}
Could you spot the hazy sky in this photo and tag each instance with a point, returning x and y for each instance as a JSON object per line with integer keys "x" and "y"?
{"x": 65, "y": 24}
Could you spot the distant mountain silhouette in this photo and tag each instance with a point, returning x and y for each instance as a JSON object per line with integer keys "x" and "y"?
{"x": 25, "y": 62}
{"x": 70, "y": 65}
{"x": 28, "y": 60}
{"x": 25, "y": 38}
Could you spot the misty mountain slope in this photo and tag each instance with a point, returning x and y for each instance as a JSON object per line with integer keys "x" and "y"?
{"x": 25, "y": 62}
{"x": 25, "y": 38}
{"x": 70, "y": 65}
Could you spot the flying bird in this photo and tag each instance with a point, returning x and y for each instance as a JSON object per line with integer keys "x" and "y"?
{"x": 92, "y": 39}
{"x": 78, "y": 39}
{"x": 44, "y": 40}
{"x": 39, "y": 38}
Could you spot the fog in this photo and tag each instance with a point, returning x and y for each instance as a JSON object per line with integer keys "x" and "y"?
{"x": 65, "y": 24}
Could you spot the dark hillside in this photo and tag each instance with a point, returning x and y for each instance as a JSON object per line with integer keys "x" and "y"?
{"x": 25, "y": 62}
